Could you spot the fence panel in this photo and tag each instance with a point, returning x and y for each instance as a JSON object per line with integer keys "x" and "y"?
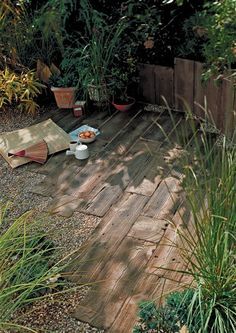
{"x": 182, "y": 87}
{"x": 227, "y": 115}
{"x": 183, "y": 84}
{"x": 164, "y": 85}
{"x": 199, "y": 91}
{"x": 147, "y": 83}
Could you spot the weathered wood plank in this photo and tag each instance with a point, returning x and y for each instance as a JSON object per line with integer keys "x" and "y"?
{"x": 121, "y": 273}
{"x": 127, "y": 170}
{"x": 108, "y": 235}
{"x": 184, "y": 83}
{"x": 164, "y": 85}
{"x": 216, "y": 100}
{"x": 162, "y": 127}
{"x": 147, "y": 83}
{"x": 64, "y": 205}
{"x": 117, "y": 177}
{"x": 199, "y": 91}
{"x": 99, "y": 168}
{"x": 182, "y": 133}
{"x": 149, "y": 287}
{"x": 127, "y": 317}
{"x": 167, "y": 259}
{"x": 148, "y": 229}
{"x": 165, "y": 199}
{"x": 103, "y": 200}
{"x": 132, "y": 127}
{"x": 148, "y": 178}
{"x": 214, "y": 94}
{"x": 60, "y": 177}
{"x": 109, "y": 129}
{"x": 143, "y": 291}
{"x": 227, "y": 118}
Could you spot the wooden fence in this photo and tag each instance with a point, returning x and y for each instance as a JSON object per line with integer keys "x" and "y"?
{"x": 182, "y": 87}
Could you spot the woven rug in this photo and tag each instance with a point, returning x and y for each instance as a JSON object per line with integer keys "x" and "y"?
{"x": 56, "y": 138}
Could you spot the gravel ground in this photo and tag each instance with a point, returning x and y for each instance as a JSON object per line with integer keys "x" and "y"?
{"x": 68, "y": 234}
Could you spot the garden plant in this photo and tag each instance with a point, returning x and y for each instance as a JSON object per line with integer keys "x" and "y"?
{"x": 28, "y": 268}
{"x": 207, "y": 244}
{"x": 97, "y": 47}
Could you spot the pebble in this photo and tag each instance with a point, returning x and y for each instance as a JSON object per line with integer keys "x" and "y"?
{"x": 53, "y": 316}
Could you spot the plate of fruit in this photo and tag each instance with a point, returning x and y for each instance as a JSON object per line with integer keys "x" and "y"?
{"x": 87, "y": 136}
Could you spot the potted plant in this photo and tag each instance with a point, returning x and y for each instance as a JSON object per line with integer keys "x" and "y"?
{"x": 96, "y": 51}
{"x": 64, "y": 82}
{"x": 64, "y": 89}
{"x": 123, "y": 75}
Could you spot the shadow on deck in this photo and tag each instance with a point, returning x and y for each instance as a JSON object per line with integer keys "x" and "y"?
{"x": 132, "y": 181}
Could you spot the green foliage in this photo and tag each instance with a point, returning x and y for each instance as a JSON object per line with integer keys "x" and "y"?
{"x": 19, "y": 90}
{"x": 195, "y": 38}
{"x": 33, "y": 31}
{"x": 65, "y": 81}
{"x": 210, "y": 33}
{"x": 168, "y": 318}
{"x": 27, "y": 269}
{"x": 96, "y": 50}
{"x": 220, "y": 49}
{"x": 209, "y": 251}
{"x": 122, "y": 75}
{"x": 206, "y": 241}
{"x": 156, "y": 319}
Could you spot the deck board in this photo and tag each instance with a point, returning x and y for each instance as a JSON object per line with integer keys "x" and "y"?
{"x": 121, "y": 273}
{"x": 132, "y": 181}
{"x": 108, "y": 235}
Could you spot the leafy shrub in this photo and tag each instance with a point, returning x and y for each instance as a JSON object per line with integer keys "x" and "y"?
{"x": 154, "y": 319}
{"x": 27, "y": 268}
{"x": 210, "y": 33}
{"x": 168, "y": 318}
{"x": 220, "y": 49}
{"x": 31, "y": 30}
{"x": 68, "y": 80}
{"x": 19, "y": 90}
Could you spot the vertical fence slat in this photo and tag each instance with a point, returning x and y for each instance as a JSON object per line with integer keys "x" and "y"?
{"x": 199, "y": 91}
{"x": 164, "y": 85}
{"x": 147, "y": 83}
{"x": 183, "y": 84}
{"x": 213, "y": 98}
{"x": 226, "y": 118}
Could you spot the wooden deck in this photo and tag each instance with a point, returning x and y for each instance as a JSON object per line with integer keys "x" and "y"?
{"x": 132, "y": 182}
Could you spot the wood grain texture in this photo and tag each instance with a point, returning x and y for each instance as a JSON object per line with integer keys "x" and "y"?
{"x": 164, "y": 85}
{"x": 149, "y": 229}
{"x": 165, "y": 199}
{"x": 118, "y": 279}
{"x": 143, "y": 291}
{"x": 160, "y": 129}
{"x": 213, "y": 99}
{"x": 109, "y": 234}
{"x": 167, "y": 259}
{"x": 104, "y": 200}
{"x": 199, "y": 91}
{"x": 184, "y": 83}
{"x": 226, "y": 120}
{"x": 147, "y": 83}
{"x": 64, "y": 205}
{"x": 148, "y": 177}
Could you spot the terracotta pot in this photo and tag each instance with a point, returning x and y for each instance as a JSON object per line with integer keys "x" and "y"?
{"x": 65, "y": 97}
{"x": 125, "y": 106}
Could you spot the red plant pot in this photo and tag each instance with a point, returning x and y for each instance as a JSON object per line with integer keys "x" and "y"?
{"x": 125, "y": 106}
{"x": 65, "y": 97}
